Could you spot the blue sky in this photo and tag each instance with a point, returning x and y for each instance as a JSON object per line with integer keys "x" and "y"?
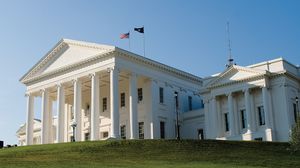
{"x": 189, "y": 35}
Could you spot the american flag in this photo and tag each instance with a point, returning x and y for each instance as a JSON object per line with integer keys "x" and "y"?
{"x": 125, "y": 35}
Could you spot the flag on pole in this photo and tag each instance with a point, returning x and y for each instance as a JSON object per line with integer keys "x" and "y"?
{"x": 124, "y": 36}
{"x": 139, "y": 29}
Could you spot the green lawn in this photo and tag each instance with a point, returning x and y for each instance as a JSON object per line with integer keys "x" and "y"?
{"x": 152, "y": 153}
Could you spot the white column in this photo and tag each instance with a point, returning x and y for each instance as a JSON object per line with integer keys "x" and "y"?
{"x": 45, "y": 117}
{"x": 95, "y": 93}
{"x": 216, "y": 122}
{"x": 231, "y": 115}
{"x": 206, "y": 118}
{"x": 77, "y": 109}
{"x": 266, "y": 104}
{"x": 29, "y": 119}
{"x": 133, "y": 107}
{"x": 60, "y": 114}
{"x": 114, "y": 103}
{"x": 248, "y": 110}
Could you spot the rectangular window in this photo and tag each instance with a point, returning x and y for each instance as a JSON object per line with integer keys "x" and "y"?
{"x": 141, "y": 130}
{"x": 200, "y": 134}
{"x": 104, "y": 104}
{"x": 86, "y": 136}
{"x": 122, "y": 99}
{"x": 295, "y": 111}
{"x": 140, "y": 94}
{"x": 105, "y": 134}
{"x": 243, "y": 118}
{"x": 161, "y": 95}
{"x": 162, "y": 130}
{"x": 261, "y": 115}
{"x": 190, "y": 103}
{"x": 123, "y": 132}
{"x": 226, "y": 122}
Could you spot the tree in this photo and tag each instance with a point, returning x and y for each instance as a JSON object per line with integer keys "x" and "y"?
{"x": 295, "y": 136}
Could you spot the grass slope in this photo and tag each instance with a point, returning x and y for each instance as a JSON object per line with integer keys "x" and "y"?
{"x": 151, "y": 153}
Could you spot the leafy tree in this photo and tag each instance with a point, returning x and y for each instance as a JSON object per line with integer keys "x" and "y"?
{"x": 295, "y": 136}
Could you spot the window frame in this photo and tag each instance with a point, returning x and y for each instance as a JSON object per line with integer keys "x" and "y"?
{"x": 243, "y": 118}
{"x": 123, "y": 131}
{"x": 104, "y": 104}
{"x": 140, "y": 94}
{"x": 261, "y": 116}
{"x": 226, "y": 122}
{"x": 161, "y": 95}
{"x": 141, "y": 130}
{"x": 123, "y": 99}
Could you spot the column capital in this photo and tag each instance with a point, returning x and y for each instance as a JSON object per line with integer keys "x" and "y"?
{"x": 59, "y": 85}
{"x": 246, "y": 90}
{"x": 27, "y": 94}
{"x": 91, "y": 75}
{"x": 43, "y": 90}
{"x": 228, "y": 94}
{"x": 75, "y": 80}
{"x": 114, "y": 68}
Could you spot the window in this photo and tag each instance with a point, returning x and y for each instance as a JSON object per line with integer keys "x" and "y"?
{"x": 104, "y": 104}
{"x": 258, "y": 139}
{"x": 140, "y": 94}
{"x": 243, "y": 118}
{"x": 190, "y": 103}
{"x": 226, "y": 122}
{"x": 141, "y": 130}
{"x": 261, "y": 115}
{"x": 162, "y": 130}
{"x": 202, "y": 104}
{"x": 86, "y": 136}
{"x": 200, "y": 134}
{"x": 122, "y": 99}
{"x": 105, "y": 134}
{"x": 123, "y": 132}
{"x": 295, "y": 111}
{"x": 87, "y": 110}
{"x": 161, "y": 95}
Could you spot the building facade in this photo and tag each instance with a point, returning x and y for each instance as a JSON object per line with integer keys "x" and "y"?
{"x": 101, "y": 92}
{"x": 107, "y": 92}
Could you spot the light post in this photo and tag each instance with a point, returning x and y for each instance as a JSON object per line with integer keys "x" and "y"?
{"x": 297, "y": 106}
{"x": 177, "y": 118}
{"x": 73, "y": 125}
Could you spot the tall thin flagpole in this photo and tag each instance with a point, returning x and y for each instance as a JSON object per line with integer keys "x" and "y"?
{"x": 129, "y": 40}
{"x": 144, "y": 41}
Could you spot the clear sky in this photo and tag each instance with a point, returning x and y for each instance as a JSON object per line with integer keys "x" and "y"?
{"x": 187, "y": 34}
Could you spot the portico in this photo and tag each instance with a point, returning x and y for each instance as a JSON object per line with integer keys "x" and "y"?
{"x": 98, "y": 93}
{"x": 241, "y": 109}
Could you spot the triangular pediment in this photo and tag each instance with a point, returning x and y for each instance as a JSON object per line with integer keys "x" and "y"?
{"x": 65, "y": 53}
{"x": 235, "y": 73}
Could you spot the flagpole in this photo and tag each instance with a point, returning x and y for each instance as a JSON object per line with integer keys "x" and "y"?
{"x": 144, "y": 41}
{"x": 129, "y": 41}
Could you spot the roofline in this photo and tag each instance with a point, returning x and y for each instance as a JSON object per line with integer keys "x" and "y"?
{"x": 120, "y": 50}
{"x": 66, "y": 41}
{"x": 32, "y": 68}
{"x": 175, "y": 70}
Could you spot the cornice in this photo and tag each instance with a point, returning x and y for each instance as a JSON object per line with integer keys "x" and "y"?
{"x": 252, "y": 78}
{"x": 159, "y": 66}
{"x": 69, "y": 68}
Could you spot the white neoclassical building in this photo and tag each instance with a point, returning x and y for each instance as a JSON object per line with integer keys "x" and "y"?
{"x": 257, "y": 102}
{"x": 107, "y": 92}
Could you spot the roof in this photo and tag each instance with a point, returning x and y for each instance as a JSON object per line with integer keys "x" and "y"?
{"x": 108, "y": 49}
